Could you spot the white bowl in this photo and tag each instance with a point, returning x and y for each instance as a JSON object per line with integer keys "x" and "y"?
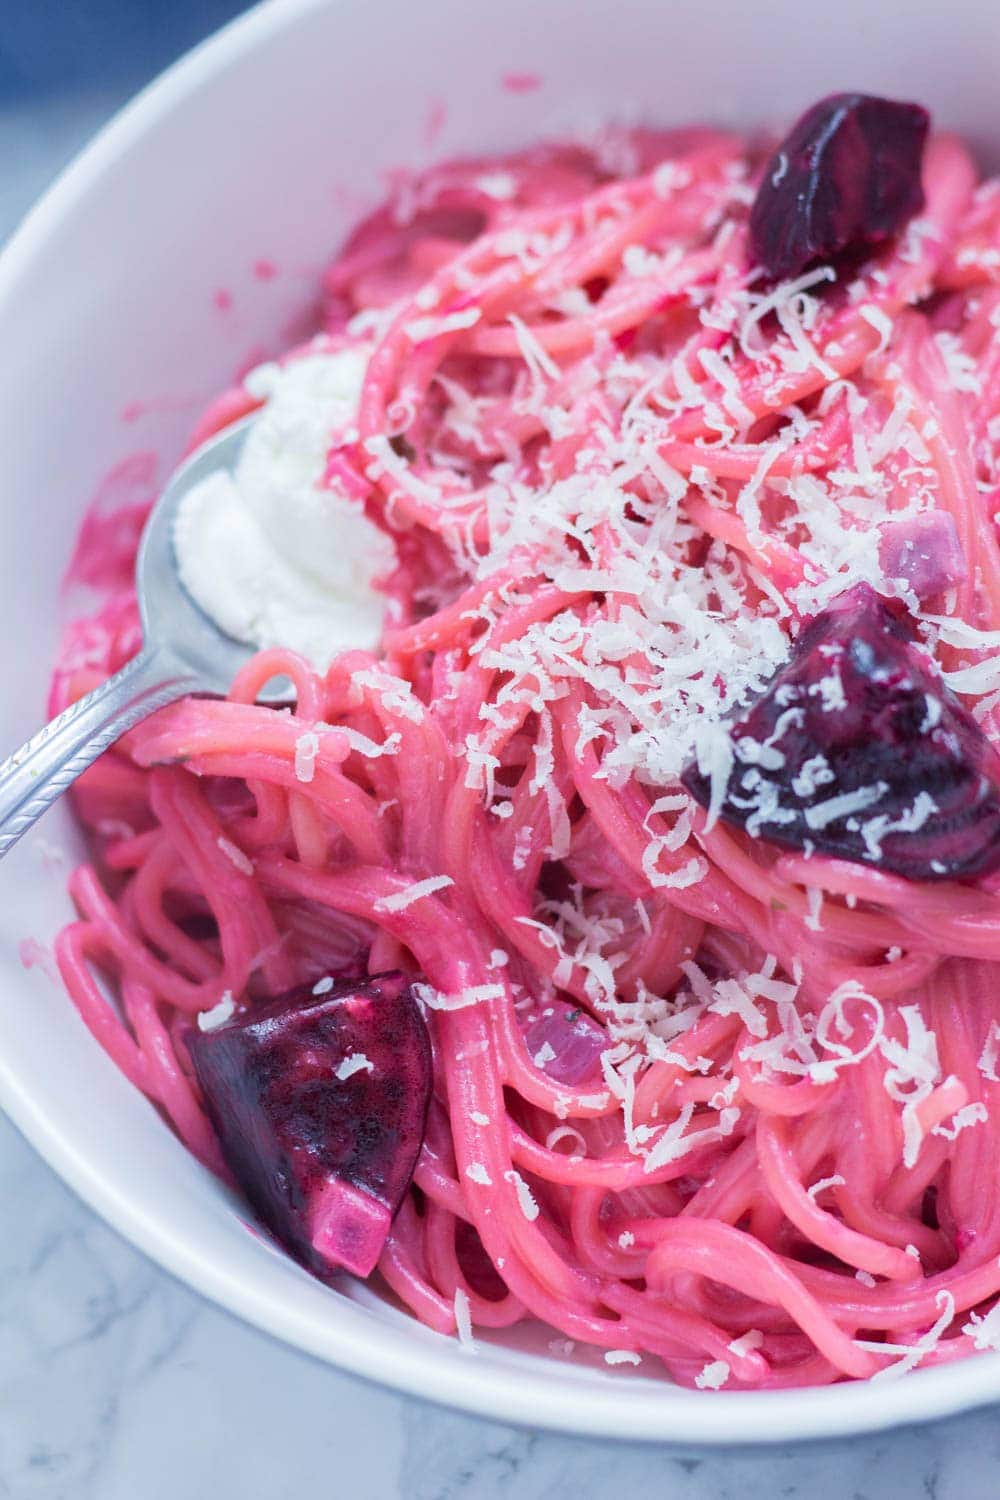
{"x": 262, "y": 144}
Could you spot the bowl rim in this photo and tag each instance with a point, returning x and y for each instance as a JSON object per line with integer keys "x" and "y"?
{"x": 651, "y": 1411}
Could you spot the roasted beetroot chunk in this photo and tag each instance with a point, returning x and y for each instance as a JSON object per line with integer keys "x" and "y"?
{"x": 846, "y": 177}
{"x": 319, "y": 1102}
{"x": 858, "y": 750}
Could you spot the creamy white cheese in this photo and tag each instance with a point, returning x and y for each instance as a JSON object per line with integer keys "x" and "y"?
{"x": 272, "y": 555}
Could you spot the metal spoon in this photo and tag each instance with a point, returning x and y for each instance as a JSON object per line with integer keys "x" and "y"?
{"x": 183, "y": 652}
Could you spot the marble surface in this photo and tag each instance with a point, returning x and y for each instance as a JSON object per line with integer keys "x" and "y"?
{"x": 116, "y": 1383}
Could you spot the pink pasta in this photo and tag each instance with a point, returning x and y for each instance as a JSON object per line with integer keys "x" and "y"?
{"x": 726, "y": 1105}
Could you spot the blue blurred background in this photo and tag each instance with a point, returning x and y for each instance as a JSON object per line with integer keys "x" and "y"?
{"x": 65, "y": 65}
{"x": 54, "y": 45}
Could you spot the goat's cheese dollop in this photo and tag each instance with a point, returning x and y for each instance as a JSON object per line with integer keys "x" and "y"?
{"x": 272, "y": 554}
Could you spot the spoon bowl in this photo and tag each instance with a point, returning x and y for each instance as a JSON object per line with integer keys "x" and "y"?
{"x": 183, "y": 652}
{"x": 172, "y": 622}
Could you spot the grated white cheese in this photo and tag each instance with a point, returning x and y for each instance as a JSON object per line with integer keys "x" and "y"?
{"x": 500, "y": 185}
{"x": 476, "y": 994}
{"x": 399, "y": 900}
{"x": 395, "y": 693}
{"x": 988, "y": 1057}
{"x": 802, "y": 1038}
{"x": 220, "y": 1013}
{"x": 961, "y": 365}
{"x": 523, "y": 839}
{"x": 420, "y": 329}
{"x": 984, "y": 1329}
{"x": 538, "y": 361}
{"x": 880, "y": 321}
{"x": 911, "y": 1355}
{"x": 236, "y": 855}
{"x": 525, "y": 1197}
{"x": 826, "y": 1182}
{"x": 669, "y": 177}
{"x": 747, "y": 1342}
{"x": 463, "y": 1321}
{"x": 306, "y": 751}
{"x": 913, "y": 1072}
{"x": 477, "y": 1173}
{"x": 969, "y": 1114}
{"x": 354, "y": 1062}
{"x": 370, "y": 749}
{"x": 562, "y": 1133}
{"x": 713, "y": 1376}
{"x": 675, "y": 1140}
{"x": 660, "y": 673}
{"x": 814, "y": 905}
{"x": 622, "y": 1357}
{"x": 845, "y": 804}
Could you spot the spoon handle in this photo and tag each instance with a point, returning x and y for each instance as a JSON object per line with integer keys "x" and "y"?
{"x": 33, "y": 777}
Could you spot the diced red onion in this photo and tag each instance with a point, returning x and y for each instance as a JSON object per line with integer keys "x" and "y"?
{"x": 925, "y": 551}
{"x": 348, "y": 1227}
{"x": 565, "y": 1043}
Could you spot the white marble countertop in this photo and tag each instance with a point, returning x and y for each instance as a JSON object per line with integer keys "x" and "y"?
{"x": 116, "y": 1383}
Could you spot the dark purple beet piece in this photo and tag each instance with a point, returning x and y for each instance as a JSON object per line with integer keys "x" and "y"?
{"x": 319, "y": 1102}
{"x": 847, "y": 176}
{"x": 858, "y": 750}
